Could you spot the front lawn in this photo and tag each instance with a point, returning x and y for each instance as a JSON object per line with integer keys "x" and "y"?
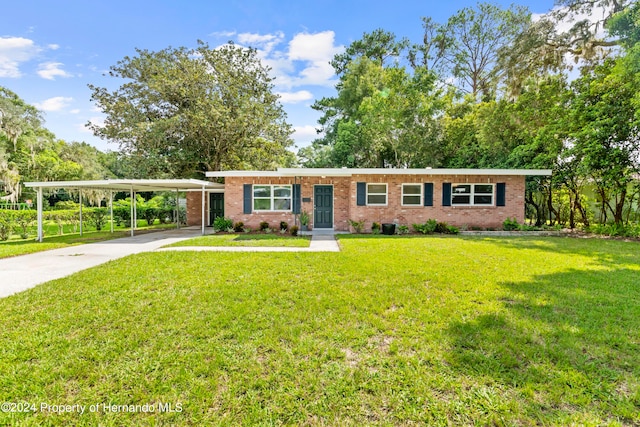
{"x": 250, "y": 239}
{"x": 393, "y": 331}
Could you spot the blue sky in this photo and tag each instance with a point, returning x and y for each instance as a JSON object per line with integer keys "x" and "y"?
{"x": 50, "y": 50}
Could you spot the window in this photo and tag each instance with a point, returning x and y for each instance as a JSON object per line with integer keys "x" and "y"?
{"x": 272, "y": 197}
{"x": 472, "y": 194}
{"x": 377, "y": 194}
{"x": 411, "y": 194}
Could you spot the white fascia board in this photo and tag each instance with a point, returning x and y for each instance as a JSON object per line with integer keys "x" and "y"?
{"x": 334, "y": 172}
{"x": 389, "y": 171}
{"x": 127, "y": 184}
{"x": 250, "y": 174}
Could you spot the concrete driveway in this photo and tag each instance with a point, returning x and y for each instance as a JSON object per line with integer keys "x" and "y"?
{"x": 26, "y": 271}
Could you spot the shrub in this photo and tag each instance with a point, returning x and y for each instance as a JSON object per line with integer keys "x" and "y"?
{"x": 426, "y": 228}
{"x": 264, "y": 225}
{"x": 23, "y": 220}
{"x": 222, "y": 224}
{"x": 150, "y": 214}
{"x": 284, "y": 226}
{"x": 402, "y": 229}
{"x": 97, "y": 217}
{"x": 5, "y": 227}
{"x": 375, "y": 228}
{"x": 238, "y": 227}
{"x": 294, "y": 230}
{"x": 452, "y": 230}
{"x": 510, "y": 224}
{"x": 358, "y": 226}
{"x": 442, "y": 228}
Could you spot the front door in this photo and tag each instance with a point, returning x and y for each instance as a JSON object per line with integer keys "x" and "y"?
{"x": 323, "y": 206}
{"x": 216, "y": 206}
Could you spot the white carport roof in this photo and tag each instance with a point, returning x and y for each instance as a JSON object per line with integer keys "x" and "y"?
{"x": 136, "y": 185}
{"x": 131, "y": 185}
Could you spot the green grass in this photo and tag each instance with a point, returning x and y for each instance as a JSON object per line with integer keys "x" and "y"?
{"x": 390, "y": 331}
{"x": 268, "y": 240}
{"x": 15, "y": 247}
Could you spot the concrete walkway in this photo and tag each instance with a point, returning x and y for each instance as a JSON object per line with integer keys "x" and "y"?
{"x": 26, "y": 271}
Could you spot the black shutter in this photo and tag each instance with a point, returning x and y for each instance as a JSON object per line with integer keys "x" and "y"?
{"x": 296, "y": 198}
{"x": 501, "y": 188}
{"x": 361, "y": 194}
{"x": 247, "y": 189}
{"x": 446, "y": 194}
{"x": 428, "y": 193}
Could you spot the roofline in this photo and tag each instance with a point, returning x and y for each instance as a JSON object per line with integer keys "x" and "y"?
{"x": 292, "y": 172}
{"x": 136, "y": 184}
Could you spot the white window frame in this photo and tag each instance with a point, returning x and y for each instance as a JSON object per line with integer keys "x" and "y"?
{"x": 272, "y": 197}
{"x": 421, "y": 194}
{"x": 473, "y": 193}
{"x": 386, "y": 194}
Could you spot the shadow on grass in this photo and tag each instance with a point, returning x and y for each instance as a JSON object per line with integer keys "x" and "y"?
{"x": 569, "y": 343}
{"x": 610, "y": 253}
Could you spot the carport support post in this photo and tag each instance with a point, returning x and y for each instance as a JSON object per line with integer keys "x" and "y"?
{"x": 131, "y": 210}
{"x": 80, "y": 199}
{"x": 111, "y": 208}
{"x": 202, "y": 218}
{"x": 39, "y": 202}
{"x": 177, "y": 208}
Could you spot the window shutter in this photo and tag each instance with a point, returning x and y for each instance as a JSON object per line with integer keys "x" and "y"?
{"x": 361, "y": 194}
{"x": 446, "y": 194}
{"x": 501, "y": 188}
{"x": 296, "y": 198}
{"x": 247, "y": 189}
{"x": 428, "y": 193}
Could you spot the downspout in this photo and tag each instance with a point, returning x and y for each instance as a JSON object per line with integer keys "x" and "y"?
{"x": 80, "y": 199}
{"x": 39, "y": 202}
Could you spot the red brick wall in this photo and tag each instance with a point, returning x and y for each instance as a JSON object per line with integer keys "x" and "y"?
{"x": 233, "y": 200}
{"x": 485, "y": 216}
{"x": 345, "y": 206}
{"x": 194, "y": 207}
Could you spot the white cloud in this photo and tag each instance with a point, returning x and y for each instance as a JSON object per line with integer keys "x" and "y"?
{"x": 223, "y": 34}
{"x": 304, "y": 61}
{"x": 295, "y": 97}
{"x": 13, "y": 52}
{"x": 53, "y": 46}
{"x": 56, "y": 103}
{"x": 51, "y": 70}
{"x": 304, "y": 134}
{"x": 316, "y": 51}
{"x": 75, "y": 111}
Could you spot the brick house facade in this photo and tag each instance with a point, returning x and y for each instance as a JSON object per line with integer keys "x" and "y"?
{"x": 460, "y": 197}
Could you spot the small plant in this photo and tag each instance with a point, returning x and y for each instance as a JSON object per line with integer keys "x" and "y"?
{"x": 294, "y": 230}
{"x": 426, "y": 228}
{"x": 5, "y": 229}
{"x": 358, "y": 226}
{"x": 247, "y": 229}
{"x": 284, "y": 226}
{"x": 222, "y": 224}
{"x": 452, "y": 230}
{"x": 402, "y": 229}
{"x": 98, "y": 218}
{"x": 268, "y": 230}
{"x": 375, "y": 228}
{"x": 304, "y": 218}
{"x": 231, "y": 230}
{"x": 283, "y": 231}
{"x": 510, "y": 224}
{"x": 264, "y": 225}
{"x": 442, "y": 228}
{"x": 238, "y": 226}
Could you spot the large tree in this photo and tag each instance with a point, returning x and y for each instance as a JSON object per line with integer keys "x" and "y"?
{"x": 183, "y": 111}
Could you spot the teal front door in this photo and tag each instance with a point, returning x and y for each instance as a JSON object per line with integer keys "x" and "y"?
{"x": 323, "y": 206}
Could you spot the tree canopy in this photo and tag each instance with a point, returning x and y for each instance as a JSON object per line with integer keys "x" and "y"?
{"x": 181, "y": 112}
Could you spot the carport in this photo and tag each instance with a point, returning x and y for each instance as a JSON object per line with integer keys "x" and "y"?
{"x": 132, "y": 186}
